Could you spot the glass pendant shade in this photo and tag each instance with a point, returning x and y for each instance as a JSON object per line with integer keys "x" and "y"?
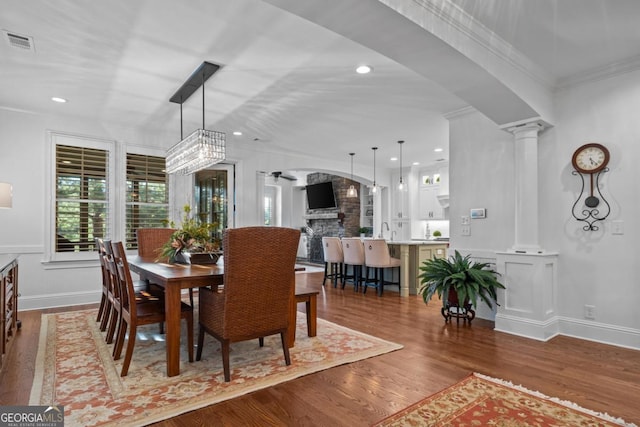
{"x": 352, "y": 192}
{"x": 6, "y": 195}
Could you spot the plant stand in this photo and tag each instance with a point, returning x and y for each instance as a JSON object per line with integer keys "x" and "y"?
{"x": 450, "y": 310}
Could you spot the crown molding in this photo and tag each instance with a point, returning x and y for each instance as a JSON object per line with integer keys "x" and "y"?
{"x": 605, "y": 72}
{"x": 452, "y": 16}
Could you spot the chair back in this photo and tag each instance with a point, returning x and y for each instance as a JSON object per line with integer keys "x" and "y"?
{"x": 332, "y": 249}
{"x": 376, "y": 253}
{"x": 111, "y": 270}
{"x": 123, "y": 278}
{"x": 102, "y": 256}
{"x": 353, "y": 251}
{"x": 151, "y": 240}
{"x": 259, "y": 279}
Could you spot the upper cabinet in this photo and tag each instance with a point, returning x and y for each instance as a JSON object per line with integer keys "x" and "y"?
{"x": 433, "y": 195}
{"x": 400, "y": 199}
{"x": 429, "y": 206}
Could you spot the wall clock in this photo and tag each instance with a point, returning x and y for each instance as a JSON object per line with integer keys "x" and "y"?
{"x": 590, "y": 160}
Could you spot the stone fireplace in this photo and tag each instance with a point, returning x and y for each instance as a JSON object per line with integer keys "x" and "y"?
{"x": 343, "y": 221}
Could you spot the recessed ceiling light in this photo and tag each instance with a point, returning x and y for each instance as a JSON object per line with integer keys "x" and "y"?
{"x": 393, "y": 159}
{"x": 363, "y": 69}
{"x": 438, "y": 150}
{"x": 237, "y": 133}
{"x": 415, "y": 163}
{"x": 57, "y": 99}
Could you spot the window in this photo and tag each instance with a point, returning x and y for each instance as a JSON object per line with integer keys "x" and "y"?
{"x": 269, "y": 202}
{"x": 272, "y": 197}
{"x": 99, "y": 189}
{"x": 82, "y": 197}
{"x": 147, "y": 196}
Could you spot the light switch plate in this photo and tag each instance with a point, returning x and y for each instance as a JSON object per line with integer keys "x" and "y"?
{"x": 464, "y": 220}
{"x": 466, "y": 230}
{"x": 617, "y": 227}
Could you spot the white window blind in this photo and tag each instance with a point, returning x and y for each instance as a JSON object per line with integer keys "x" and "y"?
{"x": 82, "y": 195}
{"x": 147, "y": 196}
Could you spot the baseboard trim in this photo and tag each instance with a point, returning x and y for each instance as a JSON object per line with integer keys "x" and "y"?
{"x": 577, "y": 328}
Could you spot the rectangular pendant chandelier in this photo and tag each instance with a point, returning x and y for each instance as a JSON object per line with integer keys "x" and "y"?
{"x": 202, "y": 148}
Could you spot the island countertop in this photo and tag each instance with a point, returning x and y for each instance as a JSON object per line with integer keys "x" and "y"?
{"x": 417, "y": 242}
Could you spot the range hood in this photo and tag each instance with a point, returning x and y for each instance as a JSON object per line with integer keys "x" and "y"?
{"x": 444, "y": 200}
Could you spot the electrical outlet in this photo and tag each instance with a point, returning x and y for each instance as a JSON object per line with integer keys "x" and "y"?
{"x": 464, "y": 220}
{"x": 589, "y": 311}
{"x": 466, "y": 230}
{"x": 617, "y": 227}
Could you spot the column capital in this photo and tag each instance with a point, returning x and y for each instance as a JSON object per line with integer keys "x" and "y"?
{"x": 538, "y": 125}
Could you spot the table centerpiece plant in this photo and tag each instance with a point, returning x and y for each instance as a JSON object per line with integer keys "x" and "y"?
{"x": 193, "y": 237}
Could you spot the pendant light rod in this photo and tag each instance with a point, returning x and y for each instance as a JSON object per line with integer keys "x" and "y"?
{"x": 352, "y": 192}
{"x": 374, "y": 189}
{"x": 203, "y": 80}
{"x": 401, "y": 185}
{"x": 352, "y": 154}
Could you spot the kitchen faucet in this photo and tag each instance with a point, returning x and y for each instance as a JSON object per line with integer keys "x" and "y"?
{"x": 385, "y": 223}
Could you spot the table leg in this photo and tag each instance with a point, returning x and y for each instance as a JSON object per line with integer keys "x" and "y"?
{"x": 311, "y": 315}
{"x": 172, "y": 296}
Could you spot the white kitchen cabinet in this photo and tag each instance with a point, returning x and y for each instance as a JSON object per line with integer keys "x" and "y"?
{"x": 429, "y": 205}
{"x": 400, "y": 200}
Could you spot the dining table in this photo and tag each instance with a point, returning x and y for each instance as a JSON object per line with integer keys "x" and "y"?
{"x": 176, "y": 277}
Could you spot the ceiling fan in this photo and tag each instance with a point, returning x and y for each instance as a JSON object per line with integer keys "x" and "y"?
{"x": 278, "y": 174}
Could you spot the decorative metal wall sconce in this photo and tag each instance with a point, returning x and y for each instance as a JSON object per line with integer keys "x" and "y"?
{"x": 591, "y": 159}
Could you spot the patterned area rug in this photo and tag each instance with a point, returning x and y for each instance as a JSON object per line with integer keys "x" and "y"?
{"x": 74, "y": 368}
{"x": 479, "y": 400}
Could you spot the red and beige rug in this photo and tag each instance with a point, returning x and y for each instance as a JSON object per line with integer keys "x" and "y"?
{"x": 479, "y": 400}
{"x": 74, "y": 368}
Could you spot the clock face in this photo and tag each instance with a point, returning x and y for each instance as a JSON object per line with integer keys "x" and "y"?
{"x": 590, "y": 158}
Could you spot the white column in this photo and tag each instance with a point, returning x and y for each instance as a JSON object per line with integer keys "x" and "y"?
{"x": 526, "y": 186}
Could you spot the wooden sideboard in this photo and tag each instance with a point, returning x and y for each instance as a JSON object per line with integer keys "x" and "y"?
{"x": 8, "y": 304}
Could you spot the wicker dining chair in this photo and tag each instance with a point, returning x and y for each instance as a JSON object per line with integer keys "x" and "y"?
{"x": 259, "y": 287}
{"x": 150, "y": 241}
{"x": 136, "y": 313}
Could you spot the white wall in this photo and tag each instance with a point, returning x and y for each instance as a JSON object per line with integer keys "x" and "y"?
{"x": 595, "y": 268}
{"x": 23, "y": 137}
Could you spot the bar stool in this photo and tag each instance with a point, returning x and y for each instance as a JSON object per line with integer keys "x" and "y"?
{"x": 353, "y": 251}
{"x": 376, "y": 256}
{"x": 333, "y": 259}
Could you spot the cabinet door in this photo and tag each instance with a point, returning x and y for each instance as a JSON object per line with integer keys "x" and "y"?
{"x": 400, "y": 200}
{"x": 429, "y": 205}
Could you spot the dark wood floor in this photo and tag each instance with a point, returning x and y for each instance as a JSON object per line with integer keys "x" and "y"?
{"x": 435, "y": 355}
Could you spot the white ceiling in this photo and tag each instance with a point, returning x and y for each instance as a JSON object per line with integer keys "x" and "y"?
{"x": 284, "y": 81}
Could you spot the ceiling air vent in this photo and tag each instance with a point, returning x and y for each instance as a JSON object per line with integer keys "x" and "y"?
{"x": 19, "y": 41}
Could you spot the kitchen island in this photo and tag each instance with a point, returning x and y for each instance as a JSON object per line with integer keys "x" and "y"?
{"x": 412, "y": 254}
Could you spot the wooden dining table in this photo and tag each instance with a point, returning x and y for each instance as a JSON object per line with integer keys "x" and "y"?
{"x": 176, "y": 277}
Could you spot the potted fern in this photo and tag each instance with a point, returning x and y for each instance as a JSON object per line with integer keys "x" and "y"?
{"x": 459, "y": 283}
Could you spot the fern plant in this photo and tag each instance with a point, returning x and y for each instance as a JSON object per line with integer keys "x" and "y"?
{"x": 470, "y": 280}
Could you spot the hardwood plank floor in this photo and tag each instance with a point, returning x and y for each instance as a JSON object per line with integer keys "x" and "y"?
{"x": 435, "y": 355}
